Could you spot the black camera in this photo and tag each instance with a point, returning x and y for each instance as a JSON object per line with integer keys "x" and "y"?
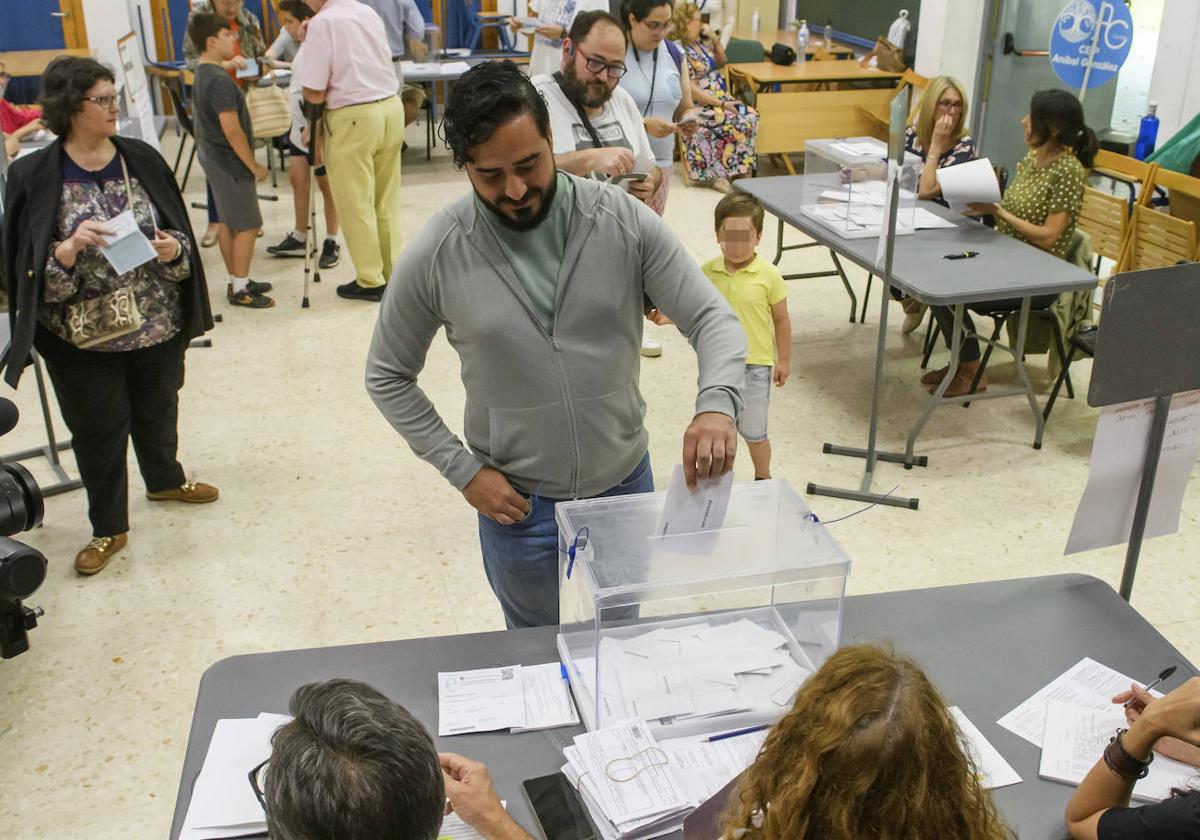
{"x": 22, "y": 568}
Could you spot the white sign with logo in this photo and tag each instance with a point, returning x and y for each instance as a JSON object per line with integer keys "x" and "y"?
{"x": 137, "y": 90}
{"x": 1090, "y": 41}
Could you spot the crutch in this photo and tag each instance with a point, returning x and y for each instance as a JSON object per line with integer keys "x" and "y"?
{"x": 310, "y": 249}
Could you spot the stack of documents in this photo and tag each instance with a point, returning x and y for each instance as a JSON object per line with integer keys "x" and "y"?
{"x": 627, "y": 782}
{"x": 517, "y": 698}
{"x": 223, "y": 803}
{"x": 695, "y": 671}
{"x": 1072, "y": 719}
{"x": 1075, "y": 739}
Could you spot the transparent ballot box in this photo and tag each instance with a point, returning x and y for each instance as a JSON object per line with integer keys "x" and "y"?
{"x": 845, "y": 186}
{"x": 700, "y": 632}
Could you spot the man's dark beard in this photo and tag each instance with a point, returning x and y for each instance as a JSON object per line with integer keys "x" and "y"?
{"x": 525, "y": 219}
{"x": 588, "y": 94}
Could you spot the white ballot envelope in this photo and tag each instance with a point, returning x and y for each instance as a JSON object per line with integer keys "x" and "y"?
{"x": 249, "y": 71}
{"x": 694, "y": 511}
{"x": 968, "y": 183}
{"x": 127, "y": 246}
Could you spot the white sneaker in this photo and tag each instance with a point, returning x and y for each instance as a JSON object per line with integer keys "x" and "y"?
{"x": 650, "y": 347}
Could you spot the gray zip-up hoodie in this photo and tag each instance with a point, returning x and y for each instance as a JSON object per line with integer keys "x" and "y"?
{"x": 559, "y": 413}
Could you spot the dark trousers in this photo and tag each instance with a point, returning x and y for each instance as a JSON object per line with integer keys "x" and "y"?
{"x": 211, "y": 202}
{"x": 105, "y": 399}
{"x": 944, "y": 315}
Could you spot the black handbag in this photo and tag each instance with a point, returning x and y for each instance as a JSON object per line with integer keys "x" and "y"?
{"x": 783, "y": 54}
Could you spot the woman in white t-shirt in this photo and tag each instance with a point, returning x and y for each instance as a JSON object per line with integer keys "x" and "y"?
{"x": 292, "y": 14}
{"x": 554, "y": 22}
{"x": 657, "y": 79}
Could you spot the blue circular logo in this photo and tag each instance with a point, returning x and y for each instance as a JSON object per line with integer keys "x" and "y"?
{"x": 1101, "y": 29}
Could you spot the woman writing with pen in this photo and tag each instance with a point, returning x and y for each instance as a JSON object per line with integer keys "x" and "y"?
{"x": 1169, "y": 725}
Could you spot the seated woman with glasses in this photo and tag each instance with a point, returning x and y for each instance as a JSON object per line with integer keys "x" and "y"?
{"x": 869, "y": 749}
{"x": 939, "y": 137}
{"x": 113, "y": 339}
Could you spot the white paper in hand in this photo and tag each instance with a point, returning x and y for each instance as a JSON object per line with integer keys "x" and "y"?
{"x": 127, "y": 246}
{"x": 968, "y": 183}
{"x": 695, "y": 511}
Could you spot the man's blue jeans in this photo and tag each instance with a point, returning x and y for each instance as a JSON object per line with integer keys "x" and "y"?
{"x": 521, "y": 560}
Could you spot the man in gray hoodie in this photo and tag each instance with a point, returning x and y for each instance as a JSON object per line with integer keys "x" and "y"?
{"x": 538, "y": 279}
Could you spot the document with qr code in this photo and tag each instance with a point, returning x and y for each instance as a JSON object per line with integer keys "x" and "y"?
{"x": 480, "y": 701}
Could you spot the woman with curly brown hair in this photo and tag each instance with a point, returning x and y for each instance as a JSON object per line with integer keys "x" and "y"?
{"x": 869, "y": 750}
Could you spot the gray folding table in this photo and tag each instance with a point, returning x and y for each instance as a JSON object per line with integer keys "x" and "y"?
{"x": 1004, "y": 268}
{"x": 987, "y": 646}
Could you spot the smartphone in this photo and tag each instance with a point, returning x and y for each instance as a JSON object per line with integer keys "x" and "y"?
{"x": 629, "y": 176}
{"x": 557, "y": 808}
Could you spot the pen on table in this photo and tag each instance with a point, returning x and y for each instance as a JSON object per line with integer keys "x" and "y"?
{"x": 714, "y": 738}
{"x": 965, "y": 255}
{"x": 1166, "y": 674}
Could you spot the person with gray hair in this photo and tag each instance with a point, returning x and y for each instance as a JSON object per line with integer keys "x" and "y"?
{"x": 356, "y": 766}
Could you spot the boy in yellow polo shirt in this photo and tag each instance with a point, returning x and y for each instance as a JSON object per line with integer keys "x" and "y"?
{"x": 755, "y": 290}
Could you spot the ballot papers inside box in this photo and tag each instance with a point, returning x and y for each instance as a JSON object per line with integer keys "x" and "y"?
{"x": 696, "y": 632}
{"x": 845, "y": 187}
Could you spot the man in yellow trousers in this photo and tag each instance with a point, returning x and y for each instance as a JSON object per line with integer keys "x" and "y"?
{"x": 348, "y": 76}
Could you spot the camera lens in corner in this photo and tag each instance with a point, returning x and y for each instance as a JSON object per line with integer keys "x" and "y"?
{"x": 21, "y": 504}
{"x": 22, "y": 570}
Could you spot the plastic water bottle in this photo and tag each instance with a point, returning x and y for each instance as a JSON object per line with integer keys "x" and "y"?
{"x": 828, "y": 33}
{"x": 755, "y": 20}
{"x": 802, "y": 38}
{"x": 1147, "y": 134}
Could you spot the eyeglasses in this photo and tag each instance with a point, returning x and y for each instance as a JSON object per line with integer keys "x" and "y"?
{"x": 950, "y": 104}
{"x": 105, "y": 102}
{"x": 598, "y": 66}
{"x": 655, "y": 25}
{"x": 258, "y": 777}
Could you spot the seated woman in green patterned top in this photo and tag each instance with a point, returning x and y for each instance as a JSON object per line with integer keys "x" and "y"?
{"x": 1040, "y": 207}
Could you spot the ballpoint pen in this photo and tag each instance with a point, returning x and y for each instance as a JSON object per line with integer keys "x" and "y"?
{"x": 1166, "y": 674}
{"x": 713, "y": 738}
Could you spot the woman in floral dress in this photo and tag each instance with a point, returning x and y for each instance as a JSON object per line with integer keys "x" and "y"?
{"x": 723, "y": 147}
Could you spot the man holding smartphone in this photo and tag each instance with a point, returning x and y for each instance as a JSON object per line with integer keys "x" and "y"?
{"x": 595, "y": 125}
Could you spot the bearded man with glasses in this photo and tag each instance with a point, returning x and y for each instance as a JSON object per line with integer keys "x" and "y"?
{"x": 595, "y": 125}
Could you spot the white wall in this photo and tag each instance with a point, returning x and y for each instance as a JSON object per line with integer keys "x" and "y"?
{"x": 949, "y": 38}
{"x": 109, "y": 20}
{"x": 1175, "y": 84}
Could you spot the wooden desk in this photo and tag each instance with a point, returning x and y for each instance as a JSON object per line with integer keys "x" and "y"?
{"x": 33, "y": 62}
{"x": 769, "y": 38}
{"x": 764, "y": 73}
{"x": 788, "y": 118}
